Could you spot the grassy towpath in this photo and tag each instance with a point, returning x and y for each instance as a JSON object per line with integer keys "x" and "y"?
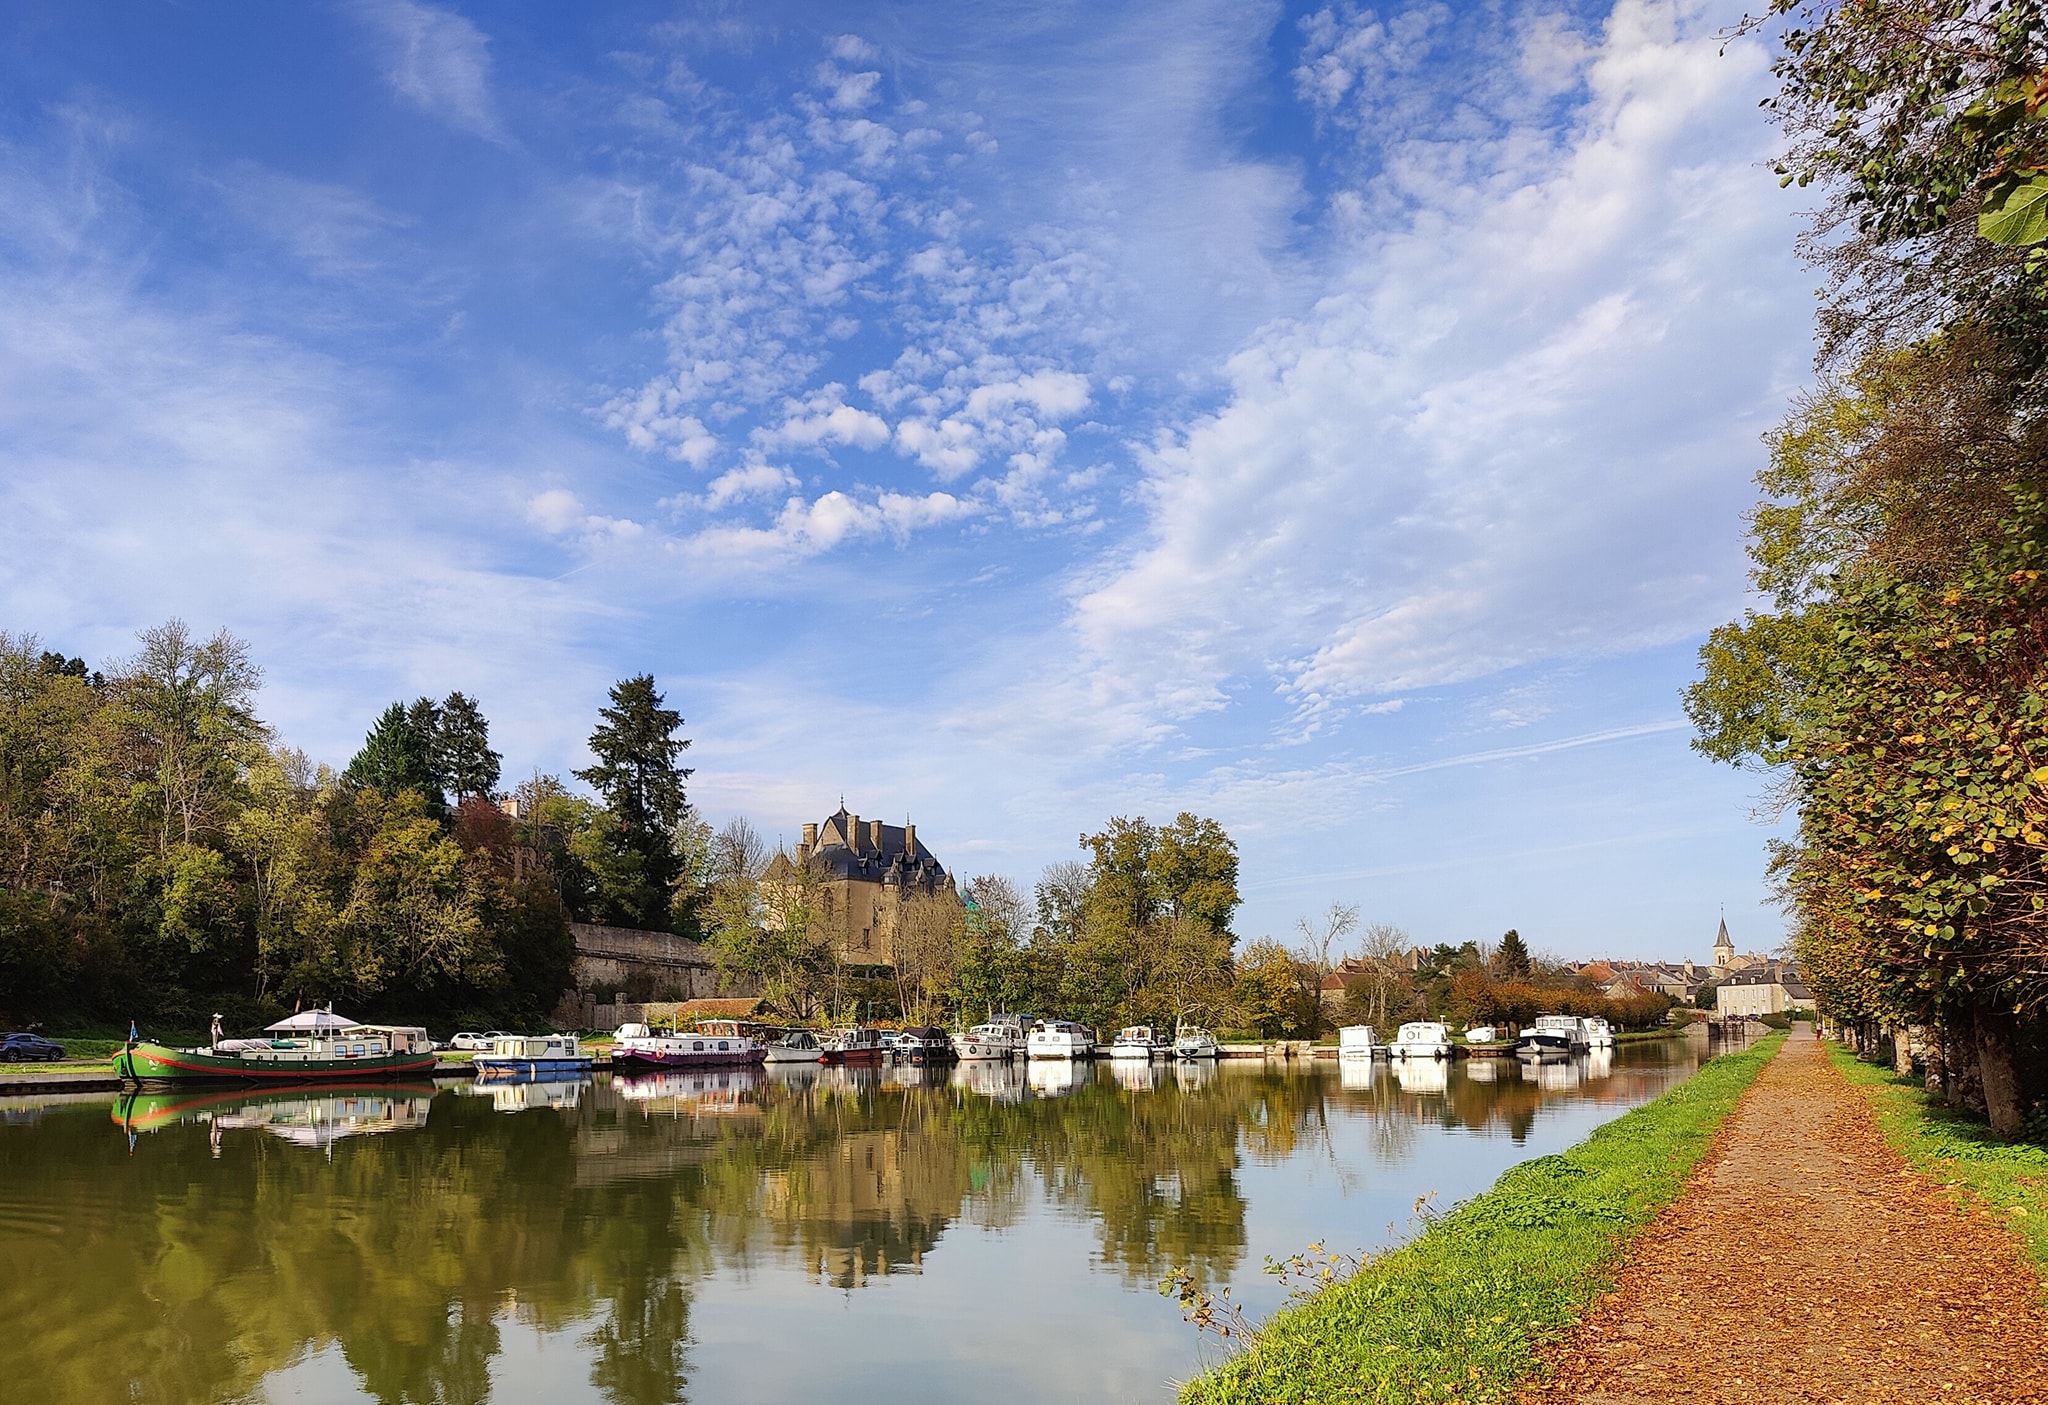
{"x": 1809, "y": 1262}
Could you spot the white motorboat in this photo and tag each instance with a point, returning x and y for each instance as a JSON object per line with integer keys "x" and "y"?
{"x": 795, "y": 1046}
{"x": 1060, "y": 1039}
{"x": 1194, "y": 1042}
{"x": 1481, "y": 1034}
{"x": 1354, "y": 1041}
{"x": 1139, "y": 1041}
{"x": 1597, "y": 1033}
{"x": 1551, "y": 1037}
{"x": 991, "y": 1043}
{"x": 1421, "y": 1039}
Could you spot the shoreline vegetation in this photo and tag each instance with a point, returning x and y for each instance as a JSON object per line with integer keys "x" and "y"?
{"x": 1459, "y": 1313}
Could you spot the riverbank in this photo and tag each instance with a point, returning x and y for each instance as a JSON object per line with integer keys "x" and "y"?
{"x": 1810, "y": 1262}
{"x": 1956, "y": 1151}
{"x": 1459, "y": 1314}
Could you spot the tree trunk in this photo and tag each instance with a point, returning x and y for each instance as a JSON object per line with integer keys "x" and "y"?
{"x": 1902, "y": 1050}
{"x": 1998, "y": 1060}
{"x": 1936, "y": 1062}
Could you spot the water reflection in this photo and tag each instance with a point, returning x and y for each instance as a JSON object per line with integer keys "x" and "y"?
{"x": 210, "y": 1242}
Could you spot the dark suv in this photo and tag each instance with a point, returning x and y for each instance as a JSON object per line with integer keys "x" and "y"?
{"x": 16, "y": 1047}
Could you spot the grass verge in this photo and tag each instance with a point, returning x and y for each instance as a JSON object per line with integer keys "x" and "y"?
{"x": 1457, "y": 1315}
{"x": 1957, "y": 1152}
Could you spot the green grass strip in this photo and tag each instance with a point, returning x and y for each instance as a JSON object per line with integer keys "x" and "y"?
{"x": 1459, "y": 1314}
{"x": 1957, "y": 1151}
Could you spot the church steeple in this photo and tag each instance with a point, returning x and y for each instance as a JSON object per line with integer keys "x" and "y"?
{"x": 1724, "y": 949}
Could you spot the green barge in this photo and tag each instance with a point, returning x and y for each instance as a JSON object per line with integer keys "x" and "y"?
{"x": 316, "y": 1046}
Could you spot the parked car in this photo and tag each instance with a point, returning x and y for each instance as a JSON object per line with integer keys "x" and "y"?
{"x": 476, "y": 1043}
{"x": 16, "y": 1047}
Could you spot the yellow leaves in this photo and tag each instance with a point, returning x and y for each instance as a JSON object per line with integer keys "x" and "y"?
{"x": 1931, "y": 930}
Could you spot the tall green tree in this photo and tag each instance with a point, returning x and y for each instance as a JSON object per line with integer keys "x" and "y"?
{"x": 1511, "y": 958}
{"x": 398, "y": 755}
{"x": 638, "y": 775}
{"x": 463, "y": 760}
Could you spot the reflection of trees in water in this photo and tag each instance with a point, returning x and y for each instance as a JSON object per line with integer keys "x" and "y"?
{"x": 173, "y": 1276}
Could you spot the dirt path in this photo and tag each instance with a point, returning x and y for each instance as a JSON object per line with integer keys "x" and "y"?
{"x": 1807, "y": 1263}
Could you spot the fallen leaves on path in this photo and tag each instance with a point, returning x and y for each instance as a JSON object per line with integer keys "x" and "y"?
{"x": 1806, "y": 1262}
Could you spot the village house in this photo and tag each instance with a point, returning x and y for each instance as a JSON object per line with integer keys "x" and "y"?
{"x": 866, "y": 873}
{"x": 1766, "y": 988}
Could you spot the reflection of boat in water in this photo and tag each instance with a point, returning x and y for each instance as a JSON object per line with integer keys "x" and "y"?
{"x": 313, "y": 1046}
{"x": 1483, "y": 1070}
{"x": 903, "y": 1073}
{"x": 1600, "y": 1063}
{"x": 305, "y": 1118}
{"x": 532, "y": 1056}
{"x": 523, "y": 1093}
{"x": 705, "y": 1090}
{"x": 1357, "y": 1074}
{"x": 1055, "y": 1077}
{"x": 1194, "y": 1073}
{"x": 1137, "y": 1075}
{"x": 1001, "y": 1082}
{"x": 1553, "y": 1074}
{"x": 1422, "y": 1075}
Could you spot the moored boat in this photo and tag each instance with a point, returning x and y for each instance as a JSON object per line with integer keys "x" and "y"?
{"x": 533, "y": 1056}
{"x": 1551, "y": 1037}
{"x": 1355, "y": 1041}
{"x": 1193, "y": 1042}
{"x": 314, "y": 1046}
{"x": 794, "y": 1046}
{"x": 1140, "y": 1041}
{"x": 712, "y": 1043}
{"x": 1060, "y": 1039}
{"x": 1421, "y": 1039}
{"x": 998, "y": 1041}
{"x": 859, "y": 1044}
{"x": 1597, "y": 1033}
{"x": 924, "y": 1044}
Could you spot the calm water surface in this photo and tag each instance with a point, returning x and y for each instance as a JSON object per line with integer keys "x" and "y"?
{"x": 852, "y": 1236}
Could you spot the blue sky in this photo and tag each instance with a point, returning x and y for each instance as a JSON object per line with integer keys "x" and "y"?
{"x": 1336, "y": 420}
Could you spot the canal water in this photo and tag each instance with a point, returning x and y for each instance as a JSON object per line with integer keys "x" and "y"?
{"x": 862, "y": 1237}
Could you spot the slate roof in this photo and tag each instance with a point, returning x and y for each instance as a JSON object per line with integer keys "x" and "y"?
{"x": 847, "y": 851}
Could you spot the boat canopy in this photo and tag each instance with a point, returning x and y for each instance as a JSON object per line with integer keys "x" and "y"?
{"x": 313, "y": 1022}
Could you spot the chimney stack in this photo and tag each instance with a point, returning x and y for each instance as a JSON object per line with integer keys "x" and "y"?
{"x": 875, "y": 835}
{"x": 853, "y": 833}
{"x": 909, "y": 842}
{"x": 803, "y": 850}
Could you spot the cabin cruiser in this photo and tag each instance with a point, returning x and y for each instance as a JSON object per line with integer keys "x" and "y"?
{"x": 1194, "y": 1042}
{"x": 533, "y": 1056}
{"x": 711, "y": 1043}
{"x": 1421, "y": 1039}
{"x": 1139, "y": 1041}
{"x": 926, "y": 1044}
{"x": 1552, "y": 1036}
{"x": 1481, "y": 1034}
{"x": 794, "y": 1046}
{"x": 1354, "y": 1041}
{"x": 1597, "y": 1033}
{"x": 996, "y": 1042}
{"x": 857, "y": 1044}
{"x": 1060, "y": 1039}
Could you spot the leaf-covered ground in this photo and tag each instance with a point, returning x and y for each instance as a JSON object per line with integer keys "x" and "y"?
{"x": 1809, "y": 1262}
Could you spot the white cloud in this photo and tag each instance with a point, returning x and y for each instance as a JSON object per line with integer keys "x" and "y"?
{"x": 561, "y": 513}
{"x": 753, "y": 481}
{"x": 438, "y": 61}
{"x": 809, "y": 528}
{"x": 1499, "y": 438}
{"x": 824, "y": 417}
